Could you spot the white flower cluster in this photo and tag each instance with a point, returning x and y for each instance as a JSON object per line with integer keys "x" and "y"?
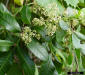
{"x": 27, "y": 35}
{"x": 38, "y": 22}
{"x": 48, "y": 18}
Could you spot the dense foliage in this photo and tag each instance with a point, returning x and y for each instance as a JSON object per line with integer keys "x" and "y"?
{"x": 42, "y": 37}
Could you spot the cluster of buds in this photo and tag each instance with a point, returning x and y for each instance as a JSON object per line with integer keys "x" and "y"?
{"x": 27, "y": 35}
{"x": 49, "y": 20}
{"x": 50, "y": 29}
{"x": 53, "y": 10}
{"x": 38, "y": 22}
{"x": 38, "y": 9}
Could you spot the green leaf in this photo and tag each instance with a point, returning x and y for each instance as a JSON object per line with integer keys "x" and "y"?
{"x": 75, "y": 41}
{"x": 45, "y": 4}
{"x": 82, "y": 3}
{"x": 26, "y": 63}
{"x": 15, "y": 70}
{"x": 63, "y": 25}
{"x": 71, "y": 12}
{"x": 4, "y": 45}
{"x": 36, "y": 71}
{"x": 82, "y": 48}
{"x": 5, "y": 62}
{"x": 72, "y": 2}
{"x": 77, "y": 44}
{"x": 3, "y": 8}
{"x": 38, "y": 50}
{"x": 70, "y": 59}
{"x": 60, "y": 35}
{"x": 9, "y": 22}
{"x": 58, "y": 52}
{"x": 26, "y": 14}
{"x": 80, "y": 35}
{"x": 47, "y": 68}
{"x": 83, "y": 61}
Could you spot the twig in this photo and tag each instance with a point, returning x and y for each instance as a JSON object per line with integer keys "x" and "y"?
{"x": 7, "y": 3}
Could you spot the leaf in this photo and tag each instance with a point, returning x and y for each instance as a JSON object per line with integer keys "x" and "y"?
{"x": 9, "y": 22}
{"x": 58, "y": 52}
{"x": 47, "y": 68}
{"x": 70, "y": 59}
{"x": 83, "y": 61}
{"x": 5, "y": 62}
{"x": 60, "y": 35}
{"x": 77, "y": 44}
{"x": 75, "y": 41}
{"x": 82, "y": 48}
{"x": 70, "y": 12}
{"x": 82, "y": 3}
{"x": 4, "y": 45}
{"x": 72, "y": 2}
{"x": 78, "y": 54}
{"x": 14, "y": 70}
{"x": 36, "y": 71}
{"x": 26, "y": 14}
{"x": 26, "y": 63}
{"x": 63, "y": 25}
{"x": 38, "y": 50}
{"x": 45, "y": 4}
{"x": 80, "y": 35}
{"x": 3, "y": 8}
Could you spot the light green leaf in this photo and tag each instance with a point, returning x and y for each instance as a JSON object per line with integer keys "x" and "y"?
{"x": 60, "y": 35}
{"x": 26, "y": 14}
{"x": 63, "y": 25}
{"x": 38, "y": 50}
{"x": 36, "y": 71}
{"x": 70, "y": 12}
{"x": 58, "y": 52}
{"x": 5, "y": 45}
{"x": 45, "y": 4}
{"x": 72, "y": 2}
{"x": 80, "y": 35}
{"x": 75, "y": 41}
{"x": 3, "y": 8}
{"x": 82, "y": 48}
{"x": 9, "y": 22}
{"x": 77, "y": 44}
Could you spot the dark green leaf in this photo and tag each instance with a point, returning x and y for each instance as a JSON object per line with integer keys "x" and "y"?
{"x": 26, "y": 63}
{"x": 47, "y": 68}
{"x": 15, "y": 70}
{"x": 5, "y": 62}
{"x": 70, "y": 59}
{"x": 38, "y": 50}
{"x": 9, "y": 22}
{"x": 26, "y": 14}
